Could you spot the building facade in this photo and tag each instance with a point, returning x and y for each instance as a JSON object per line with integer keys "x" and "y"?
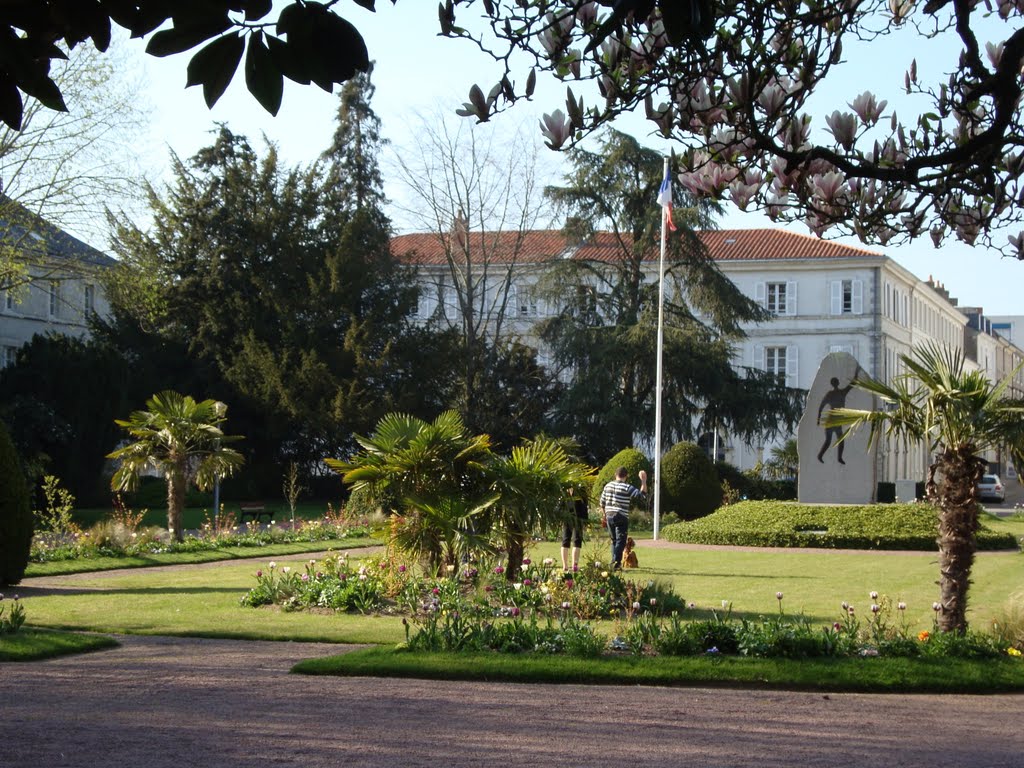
{"x": 59, "y": 292}
{"x": 824, "y": 297}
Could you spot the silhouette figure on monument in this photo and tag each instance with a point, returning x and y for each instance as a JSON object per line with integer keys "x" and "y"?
{"x": 834, "y": 398}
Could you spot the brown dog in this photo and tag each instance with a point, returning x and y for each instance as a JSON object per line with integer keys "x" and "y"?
{"x": 628, "y": 555}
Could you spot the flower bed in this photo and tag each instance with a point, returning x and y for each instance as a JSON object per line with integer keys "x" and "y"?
{"x": 469, "y": 609}
{"x": 117, "y": 540}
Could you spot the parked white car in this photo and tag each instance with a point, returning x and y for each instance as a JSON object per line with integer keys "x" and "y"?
{"x": 990, "y": 488}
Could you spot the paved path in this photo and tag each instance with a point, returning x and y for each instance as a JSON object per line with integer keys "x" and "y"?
{"x": 160, "y": 702}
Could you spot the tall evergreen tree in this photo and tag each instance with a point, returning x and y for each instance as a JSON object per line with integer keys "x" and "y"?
{"x": 606, "y": 330}
{"x": 285, "y": 285}
{"x": 353, "y": 173}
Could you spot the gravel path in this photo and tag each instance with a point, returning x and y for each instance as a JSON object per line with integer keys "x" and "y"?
{"x": 159, "y": 702}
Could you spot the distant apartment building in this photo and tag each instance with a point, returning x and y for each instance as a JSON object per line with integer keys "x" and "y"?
{"x": 62, "y": 289}
{"x": 824, "y": 297}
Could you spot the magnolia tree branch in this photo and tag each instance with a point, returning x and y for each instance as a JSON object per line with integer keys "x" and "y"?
{"x": 733, "y": 84}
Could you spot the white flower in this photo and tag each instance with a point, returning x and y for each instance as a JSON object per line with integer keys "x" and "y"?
{"x": 450, "y": 568}
{"x": 636, "y": 606}
{"x": 566, "y": 605}
{"x": 556, "y": 129}
{"x": 725, "y": 603}
{"x": 285, "y": 569}
{"x": 874, "y": 595}
{"x": 654, "y": 601}
{"x": 517, "y": 585}
{"x": 549, "y": 561}
{"x": 273, "y": 565}
{"x": 604, "y": 574}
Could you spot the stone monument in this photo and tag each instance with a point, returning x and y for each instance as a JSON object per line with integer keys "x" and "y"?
{"x": 835, "y": 470}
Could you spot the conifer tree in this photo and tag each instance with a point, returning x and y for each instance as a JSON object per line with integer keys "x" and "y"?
{"x": 606, "y": 330}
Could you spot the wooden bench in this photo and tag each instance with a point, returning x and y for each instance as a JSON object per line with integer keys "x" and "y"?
{"x": 256, "y": 510}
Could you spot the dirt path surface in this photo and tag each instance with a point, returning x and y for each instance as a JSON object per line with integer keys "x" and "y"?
{"x": 159, "y": 702}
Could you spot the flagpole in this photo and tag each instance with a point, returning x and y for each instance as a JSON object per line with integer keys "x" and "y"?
{"x": 657, "y": 388}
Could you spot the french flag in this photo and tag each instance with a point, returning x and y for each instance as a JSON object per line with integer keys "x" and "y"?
{"x": 665, "y": 199}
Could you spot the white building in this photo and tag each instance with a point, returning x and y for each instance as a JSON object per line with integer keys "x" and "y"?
{"x": 64, "y": 289}
{"x": 826, "y": 297}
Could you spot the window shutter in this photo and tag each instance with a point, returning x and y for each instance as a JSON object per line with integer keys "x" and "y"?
{"x": 757, "y": 360}
{"x": 792, "y": 365}
{"x": 858, "y": 297}
{"x": 759, "y": 296}
{"x": 791, "y": 298}
{"x": 836, "y": 296}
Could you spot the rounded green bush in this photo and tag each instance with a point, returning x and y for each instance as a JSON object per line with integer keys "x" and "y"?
{"x": 630, "y": 458}
{"x": 689, "y": 482}
{"x": 15, "y": 514}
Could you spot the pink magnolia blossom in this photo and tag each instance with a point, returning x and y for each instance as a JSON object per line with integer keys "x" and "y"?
{"x": 776, "y": 204}
{"x": 995, "y": 53}
{"x": 1017, "y": 241}
{"x": 826, "y": 186}
{"x": 816, "y": 224}
{"x": 587, "y": 14}
{"x": 901, "y": 10}
{"x": 772, "y": 98}
{"x": 743, "y": 190}
{"x": 867, "y": 108}
{"x": 556, "y": 129}
{"x": 843, "y": 126}
{"x": 785, "y": 178}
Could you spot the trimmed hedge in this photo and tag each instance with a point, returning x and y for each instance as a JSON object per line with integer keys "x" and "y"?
{"x": 789, "y": 524}
{"x": 689, "y": 482}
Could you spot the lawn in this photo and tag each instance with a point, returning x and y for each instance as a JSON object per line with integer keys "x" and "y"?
{"x": 203, "y": 600}
{"x": 38, "y": 644}
{"x": 872, "y": 675}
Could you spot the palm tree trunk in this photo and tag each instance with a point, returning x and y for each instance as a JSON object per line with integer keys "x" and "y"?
{"x": 516, "y": 552}
{"x": 958, "y": 526}
{"x": 176, "y": 503}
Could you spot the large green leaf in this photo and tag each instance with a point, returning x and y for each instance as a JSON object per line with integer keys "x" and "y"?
{"x": 214, "y": 66}
{"x": 262, "y": 76}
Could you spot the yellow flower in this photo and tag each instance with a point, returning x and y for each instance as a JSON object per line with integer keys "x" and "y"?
{"x": 1013, "y": 652}
{"x": 923, "y": 635}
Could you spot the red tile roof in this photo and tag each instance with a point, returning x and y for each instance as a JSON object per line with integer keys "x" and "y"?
{"x": 538, "y": 246}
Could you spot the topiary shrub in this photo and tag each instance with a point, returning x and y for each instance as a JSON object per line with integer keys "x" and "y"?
{"x": 630, "y": 458}
{"x": 689, "y": 483}
{"x": 15, "y": 514}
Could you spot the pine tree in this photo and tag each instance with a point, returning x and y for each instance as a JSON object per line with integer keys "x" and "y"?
{"x": 606, "y": 331}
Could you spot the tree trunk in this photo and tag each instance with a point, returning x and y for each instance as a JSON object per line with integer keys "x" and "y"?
{"x": 176, "y": 503}
{"x": 958, "y": 526}
{"x": 516, "y": 553}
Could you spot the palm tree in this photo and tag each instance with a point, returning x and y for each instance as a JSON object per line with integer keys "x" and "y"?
{"x": 783, "y": 461}
{"x": 437, "y": 471}
{"x": 182, "y": 439}
{"x": 533, "y": 482}
{"x": 958, "y": 414}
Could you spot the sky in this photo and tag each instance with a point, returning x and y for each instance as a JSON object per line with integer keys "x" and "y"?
{"x": 418, "y": 72}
